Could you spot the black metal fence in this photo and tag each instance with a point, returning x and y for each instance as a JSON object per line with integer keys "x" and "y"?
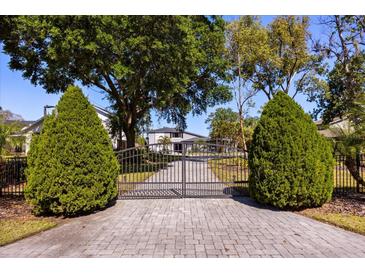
{"x": 206, "y": 170}
{"x": 183, "y": 170}
{"x": 345, "y": 173}
{"x": 12, "y": 176}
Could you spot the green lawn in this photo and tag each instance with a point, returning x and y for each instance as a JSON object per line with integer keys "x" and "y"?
{"x": 127, "y": 181}
{"x": 13, "y": 230}
{"x": 233, "y": 172}
{"x": 348, "y": 222}
{"x": 229, "y": 169}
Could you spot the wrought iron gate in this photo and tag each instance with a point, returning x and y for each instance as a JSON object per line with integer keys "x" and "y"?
{"x": 183, "y": 170}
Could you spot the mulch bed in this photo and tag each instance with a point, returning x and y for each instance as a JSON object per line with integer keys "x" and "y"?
{"x": 15, "y": 208}
{"x": 353, "y": 204}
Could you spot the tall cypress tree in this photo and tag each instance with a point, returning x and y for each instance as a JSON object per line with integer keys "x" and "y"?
{"x": 291, "y": 164}
{"x": 71, "y": 165}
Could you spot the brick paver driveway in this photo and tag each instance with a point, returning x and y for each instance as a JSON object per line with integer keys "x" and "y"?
{"x": 190, "y": 228}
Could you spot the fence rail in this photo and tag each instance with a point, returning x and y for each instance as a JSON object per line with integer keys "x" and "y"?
{"x": 344, "y": 181}
{"x": 12, "y": 176}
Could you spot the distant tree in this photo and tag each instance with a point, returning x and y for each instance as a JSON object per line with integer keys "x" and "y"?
{"x": 10, "y": 124}
{"x": 342, "y": 93}
{"x": 170, "y": 64}
{"x": 165, "y": 141}
{"x": 141, "y": 141}
{"x": 344, "y": 80}
{"x": 240, "y": 53}
{"x": 274, "y": 58}
{"x": 224, "y": 124}
{"x": 4, "y": 133}
{"x": 350, "y": 140}
{"x": 72, "y": 168}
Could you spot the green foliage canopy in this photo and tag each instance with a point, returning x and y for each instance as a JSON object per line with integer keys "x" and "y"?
{"x": 344, "y": 53}
{"x": 10, "y": 123}
{"x": 171, "y": 64}
{"x": 224, "y": 123}
{"x": 273, "y": 58}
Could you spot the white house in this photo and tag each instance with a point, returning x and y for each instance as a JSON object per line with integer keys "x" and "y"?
{"x": 177, "y": 138}
{"x": 104, "y": 115}
{"x": 334, "y": 128}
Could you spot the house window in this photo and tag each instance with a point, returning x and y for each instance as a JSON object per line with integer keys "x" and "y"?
{"x": 178, "y": 147}
{"x": 176, "y": 135}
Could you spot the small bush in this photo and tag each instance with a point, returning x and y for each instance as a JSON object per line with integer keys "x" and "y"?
{"x": 72, "y": 168}
{"x": 291, "y": 164}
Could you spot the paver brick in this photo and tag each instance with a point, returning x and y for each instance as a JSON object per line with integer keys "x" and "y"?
{"x": 190, "y": 228}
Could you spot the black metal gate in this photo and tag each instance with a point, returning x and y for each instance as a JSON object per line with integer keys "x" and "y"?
{"x": 182, "y": 170}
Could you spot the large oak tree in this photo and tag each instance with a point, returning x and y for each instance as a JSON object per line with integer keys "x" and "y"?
{"x": 172, "y": 64}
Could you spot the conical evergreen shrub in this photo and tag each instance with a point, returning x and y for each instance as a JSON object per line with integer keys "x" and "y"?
{"x": 291, "y": 164}
{"x": 71, "y": 165}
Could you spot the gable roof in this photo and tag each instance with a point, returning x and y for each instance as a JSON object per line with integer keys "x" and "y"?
{"x": 195, "y": 139}
{"x": 173, "y": 130}
{"x": 36, "y": 126}
{"x": 102, "y": 111}
{"x": 334, "y": 121}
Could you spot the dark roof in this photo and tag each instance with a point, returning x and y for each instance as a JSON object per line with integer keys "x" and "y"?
{"x": 102, "y": 111}
{"x": 195, "y": 139}
{"x": 21, "y": 122}
{"x": 35, "y": 126}
{"x": 334, "y": 121}
{"x": 172, "y": 130}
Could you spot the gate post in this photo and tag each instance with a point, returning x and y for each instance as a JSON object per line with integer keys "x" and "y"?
{"x": 358, "y": 167}
{"x": 183, "y": 170}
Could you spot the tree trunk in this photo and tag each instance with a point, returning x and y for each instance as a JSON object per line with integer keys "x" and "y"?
{"x": 243, "y": 133}
{"x": 351, "y": 165}
{"x": 240, "y": 105}
{"x": 130, "y": 134}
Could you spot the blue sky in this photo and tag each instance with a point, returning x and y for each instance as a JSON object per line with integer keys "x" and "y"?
{"x": 21, "y": 97}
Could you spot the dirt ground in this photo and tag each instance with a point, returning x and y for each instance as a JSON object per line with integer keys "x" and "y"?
{"x": 15, "y": 207}
{"x": 353, "y": 204}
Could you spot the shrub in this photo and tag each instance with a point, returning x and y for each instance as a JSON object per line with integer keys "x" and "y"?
{"x": 72, "y": 168}
{"x": 291, "y": 164}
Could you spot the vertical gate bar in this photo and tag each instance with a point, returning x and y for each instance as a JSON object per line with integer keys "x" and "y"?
{"x": 202, "y": 180}
{"x": 238, "y": 167}
{"x": 342, "y": 174}
{"x": 358, "y": 170}
{"x": 160, "y": 171}
{"x": 339, "y": 183}
{"x": 338, "y": 160}
{"x": 179, "y": 167}
{"x": 135, "y": 170}
{"x": 183, "y": 171}
{"x": 163, "y": 175}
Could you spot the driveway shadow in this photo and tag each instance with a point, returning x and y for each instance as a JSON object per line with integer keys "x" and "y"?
{"x": 248, "y": 201}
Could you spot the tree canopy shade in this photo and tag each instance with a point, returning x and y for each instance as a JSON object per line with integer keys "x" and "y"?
{"x": 172, "y": 64}
{"x": 72, "y": 168}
